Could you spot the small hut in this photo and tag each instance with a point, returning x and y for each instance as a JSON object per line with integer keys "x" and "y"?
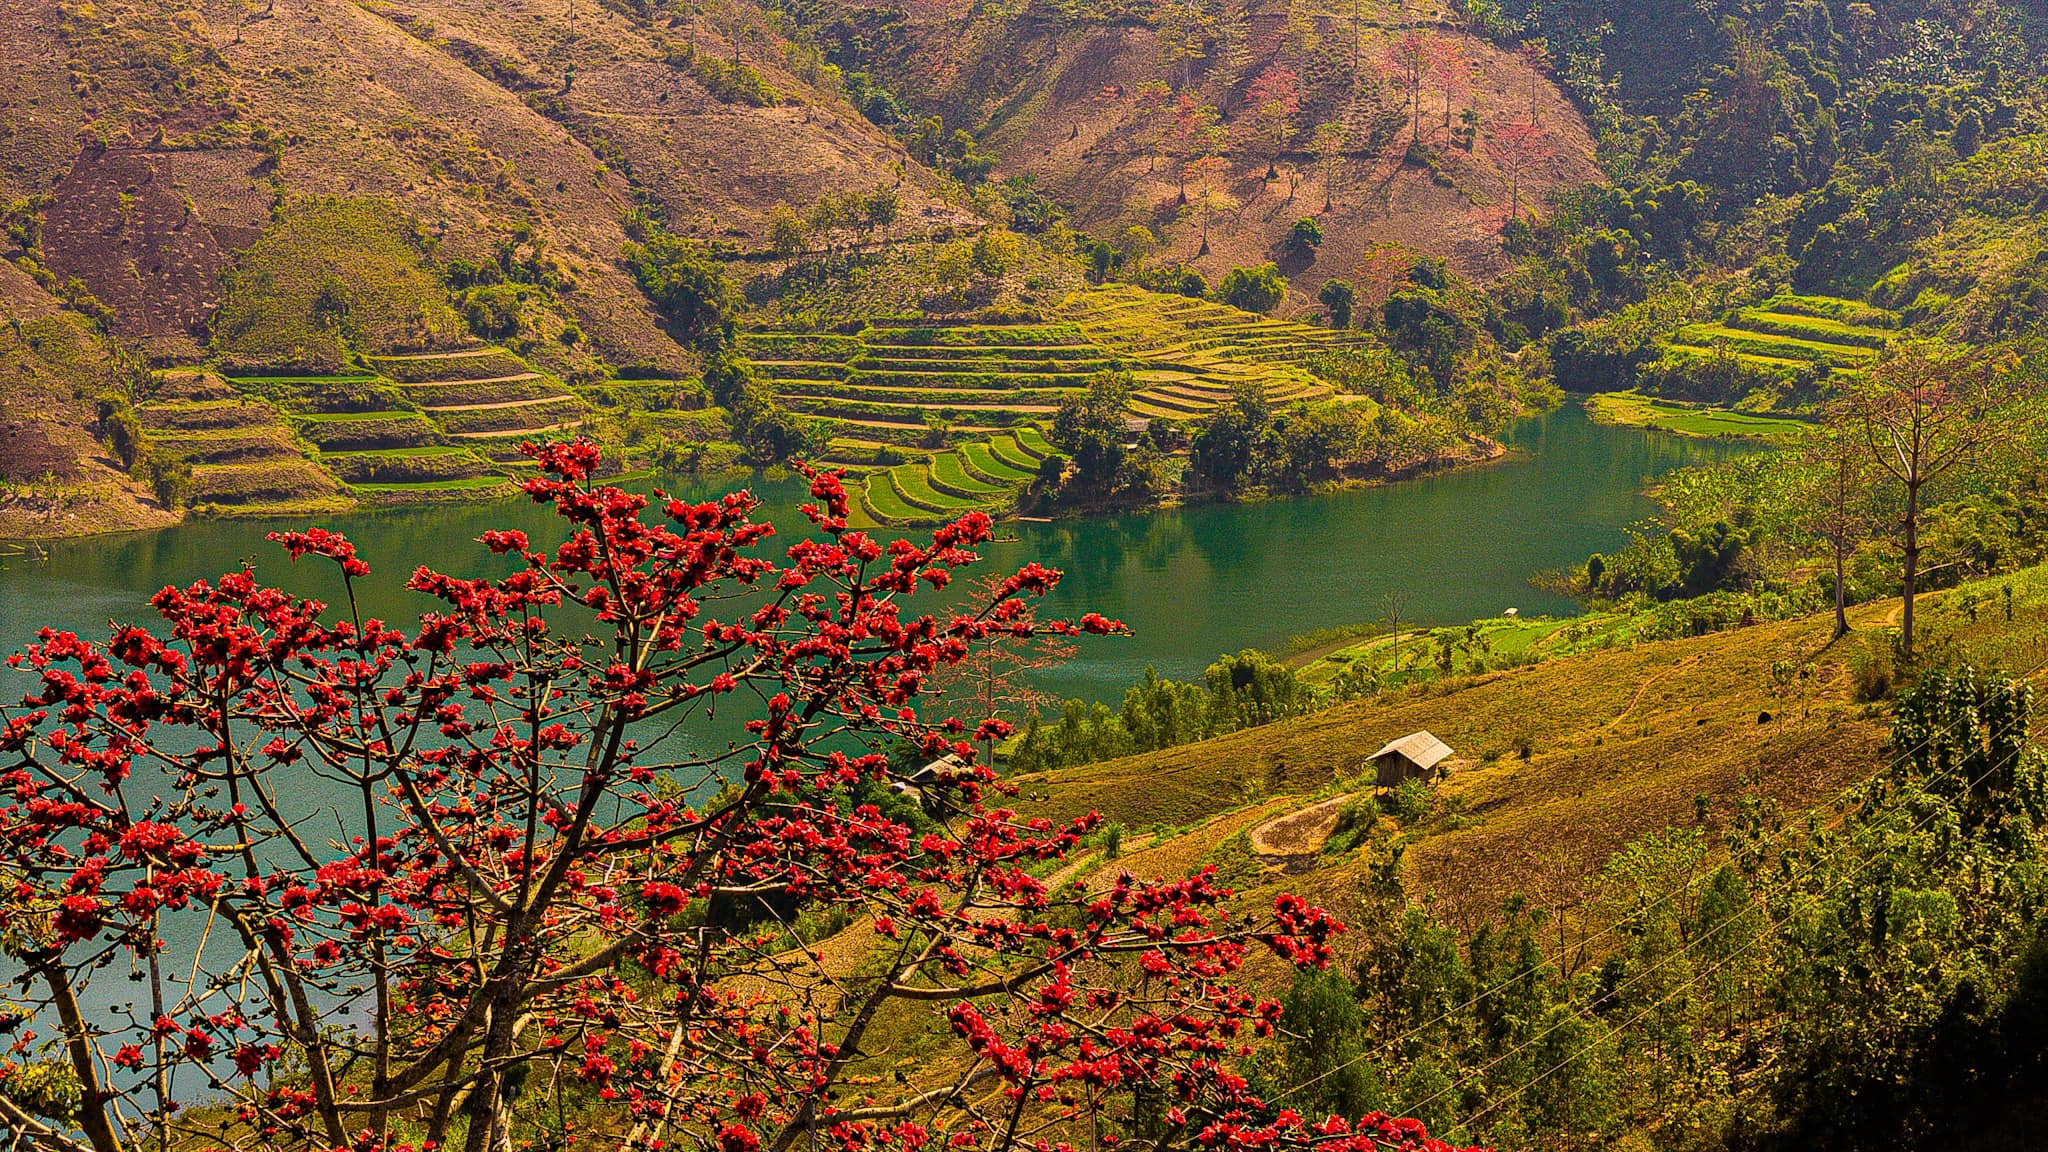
{"x": 928, "y": 784}
{"x": 1412, "y": 757}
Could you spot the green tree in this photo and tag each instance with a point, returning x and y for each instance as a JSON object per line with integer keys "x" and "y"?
{"x": 1220, "y": 454}
{"x": 1257, "y": 289}
{"x": 1160, "y": 713}
{"x": 1338, "y": 298}
{"x": 1091, "y": 428}
{"x": 787, "y": 233}
{"x": 1323, "y": 1052}
{"x": 1251, "y": 688}
{"x": 688, "y": 288}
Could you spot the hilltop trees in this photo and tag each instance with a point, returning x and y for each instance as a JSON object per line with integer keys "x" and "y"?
{"x": 1517, "y": 149}
{"x": 531, "y": 913}
{"x": 1275, "y": 98}
{"x": 1089, "y": 428}
{"x": 1338, "y": 297}
{"x": 1259, "y": 289}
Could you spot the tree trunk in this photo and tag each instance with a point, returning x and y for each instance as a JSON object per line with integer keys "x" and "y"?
{"x": 1911, "y": 584}
{"x": 1841, "y": 592}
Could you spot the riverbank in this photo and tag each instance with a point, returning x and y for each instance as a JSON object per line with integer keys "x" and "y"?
{"x": 1478, "y": 450}
{"x": 1635, "y": 410}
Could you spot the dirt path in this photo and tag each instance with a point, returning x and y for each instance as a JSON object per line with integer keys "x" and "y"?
{"x": 515, "y": 431}
{"x": 461, "y": 355}
{"x": 1300, "y": 832}
{"x": 1649, "y": 682}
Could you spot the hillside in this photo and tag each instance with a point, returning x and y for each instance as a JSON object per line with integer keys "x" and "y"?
{"x": 1621, "y": 744}
{"x": 205, "y": 178}
{"x": 55, "y": 478}
{"x": 1069, "y": 104}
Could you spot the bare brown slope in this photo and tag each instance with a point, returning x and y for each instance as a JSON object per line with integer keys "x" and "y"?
{"x": 40, "y": 117}
{"x": 371, "y": 111}
{"x": 623, "y": 87}
{"x": 477, "y": 118}
{"x": 1065, "y": 111}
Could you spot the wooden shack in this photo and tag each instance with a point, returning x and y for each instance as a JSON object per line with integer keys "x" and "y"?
{"x": 1415, "y": 756}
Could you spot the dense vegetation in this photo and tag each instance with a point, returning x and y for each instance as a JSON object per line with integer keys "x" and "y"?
{"x": 1755, "y": 980}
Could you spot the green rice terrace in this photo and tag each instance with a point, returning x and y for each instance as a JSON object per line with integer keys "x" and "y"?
{"x": 933, "y": 485}
{"x": 1187, "y": 356}
{"x": 414, "y": 427}
{"x": 991, "y": 385}
{"x": 1788, "y": 333}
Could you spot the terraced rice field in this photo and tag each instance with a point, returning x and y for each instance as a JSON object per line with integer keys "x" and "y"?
{"x": 468, "y": 412}
{"x": 484, "y": 393}
{"x": 887, "y": 378}
{"x": 245, "y": 459}
{"x": 1189, "y": 355}
{"x": 985, "y": 474}
{"x": 1788, "y": 333}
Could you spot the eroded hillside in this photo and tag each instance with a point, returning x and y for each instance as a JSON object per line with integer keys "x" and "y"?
{"x": 1315, "y": 111}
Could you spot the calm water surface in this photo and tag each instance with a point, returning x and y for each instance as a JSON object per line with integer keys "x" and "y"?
{"x": 1191, "y": 582}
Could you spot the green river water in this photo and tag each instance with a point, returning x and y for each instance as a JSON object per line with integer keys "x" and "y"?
{"x": 1191, "y": 582}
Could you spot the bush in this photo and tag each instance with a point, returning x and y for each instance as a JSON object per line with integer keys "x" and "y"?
{"x": 732, "y": 83}
{"x": 1258, "y": 289}
{"x": 123, "y": 430}
{"x": 167, "y": 475}
{"x": 1338, "y": 298}
{"x": 688, "y": 288}
{"x": 1874, "y": 668}
{"x": 1408, "y": 803}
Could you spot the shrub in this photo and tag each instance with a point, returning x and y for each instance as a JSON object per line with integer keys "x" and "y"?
{"x": 167, "y": 475}
{"x": 1408, "y": 803}
{"x": 1338, "y": 298}
{"x": 1259, "y": 289}
{"x": 688, "y": 288}
{"x": 123, "y": 430}
{"x": 733, "y": 83}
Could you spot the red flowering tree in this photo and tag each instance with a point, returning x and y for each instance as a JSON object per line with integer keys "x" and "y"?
{"x": 536, "y": 902}
{"x": 1275, "y": 100}
{"x": 1517, "y": 150}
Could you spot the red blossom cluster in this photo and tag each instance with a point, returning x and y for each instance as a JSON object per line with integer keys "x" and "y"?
{"x": 540, "y": 894}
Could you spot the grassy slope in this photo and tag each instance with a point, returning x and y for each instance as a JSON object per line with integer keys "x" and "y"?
{"x": 1634, "y": 408}
{"x": 58, "y": 481}
{"x": 1622, "y": 741}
